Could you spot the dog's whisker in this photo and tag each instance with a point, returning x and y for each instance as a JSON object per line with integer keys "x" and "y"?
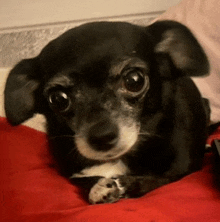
{"x": 72, "y": 151}
{"x": 62, "y": 136}
{"x": 147, "y": 134}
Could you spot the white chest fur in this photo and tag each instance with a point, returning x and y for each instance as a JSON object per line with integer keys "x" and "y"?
{"x": 107, "y": 170}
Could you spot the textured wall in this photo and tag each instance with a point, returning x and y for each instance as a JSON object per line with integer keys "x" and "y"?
{"x": 26, "y": 43}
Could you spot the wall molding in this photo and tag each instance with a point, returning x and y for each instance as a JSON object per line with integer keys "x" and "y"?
{"x": 128, "y": 17}
{"x": 25, "y": 42}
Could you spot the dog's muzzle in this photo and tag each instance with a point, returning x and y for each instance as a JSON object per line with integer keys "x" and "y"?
{"x": 103, "y": 135}
{"x": 107, "y": 140}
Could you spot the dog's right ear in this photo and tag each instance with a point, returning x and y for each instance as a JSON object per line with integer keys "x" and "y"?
{"x": 176, "y": 40}
{"x": 20, "y": 90}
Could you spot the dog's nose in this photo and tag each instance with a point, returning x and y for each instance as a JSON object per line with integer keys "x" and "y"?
{"x": 103, "y": 135}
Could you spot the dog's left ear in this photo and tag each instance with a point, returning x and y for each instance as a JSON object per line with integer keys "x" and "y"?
{"x": 178, "y": 42}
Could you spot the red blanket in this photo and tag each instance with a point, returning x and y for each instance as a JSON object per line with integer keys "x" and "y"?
{"x": 32, "y": 190}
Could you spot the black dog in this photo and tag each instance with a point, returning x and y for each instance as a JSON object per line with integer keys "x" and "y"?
{"x": 123, "y": 115}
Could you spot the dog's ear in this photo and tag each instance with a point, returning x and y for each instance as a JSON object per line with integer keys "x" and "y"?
{"x": 20, "y": 90}
{"x": 178, "y": 42}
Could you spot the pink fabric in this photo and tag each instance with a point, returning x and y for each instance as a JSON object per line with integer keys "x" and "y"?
{"x": 203, "y": 19}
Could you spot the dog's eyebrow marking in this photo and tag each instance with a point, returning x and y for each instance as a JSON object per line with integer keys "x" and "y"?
{"x": 59, "y": 80}
{"x": 130, "y": 62}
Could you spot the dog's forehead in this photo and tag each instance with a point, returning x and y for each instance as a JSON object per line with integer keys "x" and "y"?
{"x": 91, "y": 44}
{"x": 83, "y": 37}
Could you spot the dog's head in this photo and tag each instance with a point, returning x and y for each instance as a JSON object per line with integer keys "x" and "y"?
{"x": 97, "y": 82}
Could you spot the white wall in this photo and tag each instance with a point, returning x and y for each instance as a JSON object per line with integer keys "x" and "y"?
{"x": 20, "y": 13}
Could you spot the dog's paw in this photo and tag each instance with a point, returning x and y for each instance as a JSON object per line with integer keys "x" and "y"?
{"x": 106, "y": 190}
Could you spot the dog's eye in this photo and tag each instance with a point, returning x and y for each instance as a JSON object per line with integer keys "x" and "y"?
{"x": 59, "y": 101}
{"x": 135, "y": 81}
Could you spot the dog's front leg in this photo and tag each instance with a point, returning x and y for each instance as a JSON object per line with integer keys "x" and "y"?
{"x": 99, "y": 189}
{"x": 86, "y": 183}
{"x": 136, "y": 186}
{"x": 108, "y": 190}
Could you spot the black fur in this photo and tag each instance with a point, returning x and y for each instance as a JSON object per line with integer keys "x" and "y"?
{"x": 87, "y": 64}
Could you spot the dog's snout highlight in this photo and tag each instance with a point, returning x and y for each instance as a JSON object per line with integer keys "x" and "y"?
{"x": 103, "y": 135}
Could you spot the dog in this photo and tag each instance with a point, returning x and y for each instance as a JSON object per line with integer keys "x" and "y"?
{"x": 123, "y": 115}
